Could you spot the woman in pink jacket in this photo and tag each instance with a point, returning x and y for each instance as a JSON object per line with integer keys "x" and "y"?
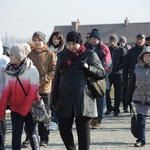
{"x": 20, "y": 104}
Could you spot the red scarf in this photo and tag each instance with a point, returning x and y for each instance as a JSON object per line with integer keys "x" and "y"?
{"x": 66, "y": 64}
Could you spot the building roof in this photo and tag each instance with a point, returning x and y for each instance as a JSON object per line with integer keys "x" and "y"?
{"x": 129, "y": 30}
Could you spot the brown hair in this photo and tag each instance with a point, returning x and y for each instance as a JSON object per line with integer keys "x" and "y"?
{"x": 59, "y": 35}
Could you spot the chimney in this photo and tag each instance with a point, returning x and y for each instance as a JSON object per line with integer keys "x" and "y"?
{"x": 75, "y": 25}
{"x": 126, "y": 22}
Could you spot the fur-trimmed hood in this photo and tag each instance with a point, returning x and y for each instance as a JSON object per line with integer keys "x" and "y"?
{"x": 145, "y": 50}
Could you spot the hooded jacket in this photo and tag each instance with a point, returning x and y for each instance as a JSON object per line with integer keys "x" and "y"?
{"x": 139, "y": 85}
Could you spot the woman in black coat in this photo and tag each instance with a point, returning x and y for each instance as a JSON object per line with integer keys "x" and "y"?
{"x": 71, "y": 96}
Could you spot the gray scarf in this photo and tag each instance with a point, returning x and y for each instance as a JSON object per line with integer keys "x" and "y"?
{"x": 13, "y": 70}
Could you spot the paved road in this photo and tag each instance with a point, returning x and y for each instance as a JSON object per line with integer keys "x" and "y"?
{"x": 114, "y": 134}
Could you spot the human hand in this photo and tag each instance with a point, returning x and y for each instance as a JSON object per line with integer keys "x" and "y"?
{"x": 83, "y": 65}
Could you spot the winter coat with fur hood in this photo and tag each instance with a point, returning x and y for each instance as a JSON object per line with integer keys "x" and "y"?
{"x": 139, "y": 85}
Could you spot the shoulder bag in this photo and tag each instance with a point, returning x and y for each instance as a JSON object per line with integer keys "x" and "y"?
{"x": 133, "y": 127}
{"x": 98, "y": 87}
{"x": 38, "y": 110}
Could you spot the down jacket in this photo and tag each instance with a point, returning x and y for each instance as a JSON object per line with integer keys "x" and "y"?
{"x": 13, "y": 93}
{"x": 71, "y": 95}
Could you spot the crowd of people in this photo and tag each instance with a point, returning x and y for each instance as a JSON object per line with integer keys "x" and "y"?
{"x": 57, "y": 72}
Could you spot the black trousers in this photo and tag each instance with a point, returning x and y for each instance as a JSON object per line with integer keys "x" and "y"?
{"x": 17, "y": 128}
{"x": 116, "y": 81}
{"x": 83, "y": 132}
{"x": 2, "y": 147}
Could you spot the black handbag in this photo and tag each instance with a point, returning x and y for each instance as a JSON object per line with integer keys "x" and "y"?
{"x": 98, "y": 87}
{"x": 134, "y": 127}
{"x": 38, "y": 110}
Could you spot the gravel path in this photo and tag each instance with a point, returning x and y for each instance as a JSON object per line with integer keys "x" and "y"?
{"x": 114, "y": 134}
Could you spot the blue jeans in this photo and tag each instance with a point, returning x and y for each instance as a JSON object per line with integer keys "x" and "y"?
{"x": 101, "y": 102}
{"x": 141, "y": 122}
{"x": 2, "y": 147}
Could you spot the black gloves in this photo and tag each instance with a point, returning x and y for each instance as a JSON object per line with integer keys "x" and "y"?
{"x": 100, "y": 55}
{"x": 83, "y": 65}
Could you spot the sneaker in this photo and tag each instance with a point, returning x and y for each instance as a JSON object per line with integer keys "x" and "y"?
{"x": 43, "y": 143}
{"x": 95, "y": 124}
{"x": 25, "y": 144}
{"x": 54, "y": 126}
{"x": 139, "y": 144}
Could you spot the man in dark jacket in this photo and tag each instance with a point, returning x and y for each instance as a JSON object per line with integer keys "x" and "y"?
{"x": 115, "y": 77}
{"x": 104, "y": 55}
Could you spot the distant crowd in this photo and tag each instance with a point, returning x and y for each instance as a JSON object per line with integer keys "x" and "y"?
{"x": 57, "y": 72}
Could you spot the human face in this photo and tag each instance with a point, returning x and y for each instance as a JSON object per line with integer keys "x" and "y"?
{"x": 87, "y": 39}
{"x": 122, "y": 44}
{"x": 146, "y": 58}
{"x": 113, "y": 43}
{"x": 94, "y": 41}
{"x": 148, "y": 42}
{"x": 140, "y": 41}
{"x": 38, "y": 43}
{"x": 14, "y": 60}
{"x": 55, "y": 40}
{"x": 72, "y": 46}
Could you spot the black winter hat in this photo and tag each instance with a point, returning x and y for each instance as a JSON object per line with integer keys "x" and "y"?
{"x": 140, "y": 36}
{"x": 95, "y": 33}
{"x": 39, "y": 35}
{"x": 74, "y": 36}
{"x": 148, "y": 38}
{"x": 113, "y": 37}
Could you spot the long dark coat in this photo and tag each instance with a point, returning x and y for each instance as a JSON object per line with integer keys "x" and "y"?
{"x": 71, "y": 95}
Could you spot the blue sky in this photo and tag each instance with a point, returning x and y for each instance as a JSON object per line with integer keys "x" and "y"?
{"x": 21, "y": 18}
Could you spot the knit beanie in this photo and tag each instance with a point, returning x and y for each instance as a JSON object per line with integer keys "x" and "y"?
{"x": 95, "y": 33}
{"x": 148, "y": 38}
{"x": 141, "y": 35}
{"x": 123, "y": 39}
{"x": 113, "y": 37}
{"x": 20, "y": 51}
{"x": 74, "y": 36}
{"x": 40, "y": 35}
